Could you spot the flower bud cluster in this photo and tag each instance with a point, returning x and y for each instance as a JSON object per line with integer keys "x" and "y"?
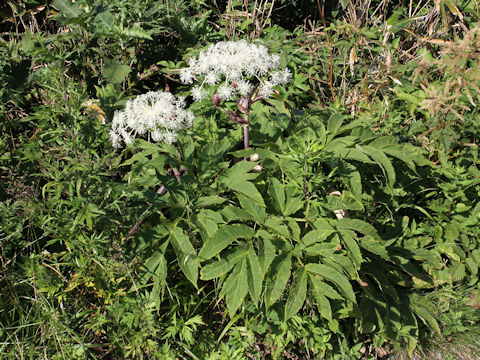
{"x": 159, "y": 114}
{"x": 236, "y": 66}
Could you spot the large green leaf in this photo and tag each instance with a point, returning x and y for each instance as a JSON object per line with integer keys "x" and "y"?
{"x": 277, "y": 193}
{"x": 357, "y": 225}
{"x": 297, "y": 293}
{"x": 115, "y": 73}
{"x": 350, "y": 242}
{"x": 223, "y": 237}
{"x": 315, "y": 236}
{"x": 249, "y": 190}
{"x": 238, "y": 173}
{"x": 254, "y": 209}
{"x": 382, "y": 160}
{"x": 334, "y": 276}
{"x": 236, "y": 287}
{"x": 278, "y": 277}
{"x": 254, "y": 276}
{"x": 186, "y": 254}
{"x": 67, "y": 8}
{"x": 354, "y": 180}
{"x": 334, "y": 123}
{"x": 267, "y": 250}
{"x": 319, "y": 290}
{"x": 223, "y": 266}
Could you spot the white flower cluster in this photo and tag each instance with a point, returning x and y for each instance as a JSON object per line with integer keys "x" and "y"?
{"x": 237, "y": 65}
{"x": 158, "y": 113}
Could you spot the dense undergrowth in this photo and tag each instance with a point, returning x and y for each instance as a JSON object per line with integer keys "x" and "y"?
{"x": 348, "y": 228}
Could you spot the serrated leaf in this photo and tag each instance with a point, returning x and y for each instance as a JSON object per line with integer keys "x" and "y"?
{"x": 155, "y": 266}
{"x": 236, "y": 287}
{"x": 223, "y": 237}
{"x": 315, "y": 236}
{"x": 277, "y": 193}
{"x": 240, "y": 172}
{"x": 374, "y": 246}
{"x": 186, "y": 254}
{"x": 297, "y": 293}
{"x": 357, "y": 225}
{"x": 401, "y": 154}
{"x": 67, "y": 8}
{"x": 276, "y": 224}
{"x": 104, "y": 21}
{"x": 427, "y": 318}
{"x": 352, "y": 247}
{"x": 317, "y": 287}
{"x": 382, "y": 160}
{"x": 294, "y": 200}
{"x": 205, "y": 201}
{"x": 349, "y": 172}
{"x": 334, "y": 123}
{"x": 277, "y": 278}
{"x": 254, "y": 276}
{"x": 334, "y": 276}
{"x": 219, "y": 268}
{"x": 267, "y": 251}
{"x": 115, "y": 73}
{"x": 256, "y": 211}
{"x": 233, "y": 213}
{"x": 250, "y": 191}
{"x": 136, "y": 32}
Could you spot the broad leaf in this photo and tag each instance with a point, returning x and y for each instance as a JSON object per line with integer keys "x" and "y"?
{"x": 236, "y": 287}
{"x": 319, "y": 290}
{"x": 382, "y": 160}
{"x": 334, "y": 276}
{"x": 254, "y": 276}
{"x": 297, "y": 293}
{"x": 223, "y": 237}
{"x": 278, "y": 277}
{"x": 223, "y": 266}
{"x": 186, "y": 254}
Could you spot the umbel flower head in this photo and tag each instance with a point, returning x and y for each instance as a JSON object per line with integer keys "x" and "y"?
{"x": 237, "y": 66}
{"x": 159, "y": 114}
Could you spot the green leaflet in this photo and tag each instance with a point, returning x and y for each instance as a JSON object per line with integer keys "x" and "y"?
{"x": 382, "y": 160}
{"x": 219, "y": 268}
{"x": 248, "y": 190}
{"x": 297, "y": 293}
{"x": 277, "y": 194}
{"x": 254, "y": 276}
{"x": 286, "y": 199}
{"x": 233, "y": 213}
{"x": 357, "y": 225}
{"x": 277, "y": 278}
{"x": 320, "y": 290}
{"x": 256, "y": 211}
{"x": 276, "y": 225}
{"x": 238, "y": 173}
{"x": 155, "y": 266}
{"x": 334, "y": 123}
{"x": 205, "y": 201}
{"x": 235, "y": 287}
{"x": 223, "y": 237}
{"x": 334, "y": 276}
{"x": 426, "y": 316}
{"x": 315, "y": 236}
{"x": 351, "y": 173}
{"x": 67, "y": 8}
{"x": 352, "y": 247}
{"x": 115, "y": 73}
{"x": 186, "y": 254}
{"x": 267, "y": 251}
